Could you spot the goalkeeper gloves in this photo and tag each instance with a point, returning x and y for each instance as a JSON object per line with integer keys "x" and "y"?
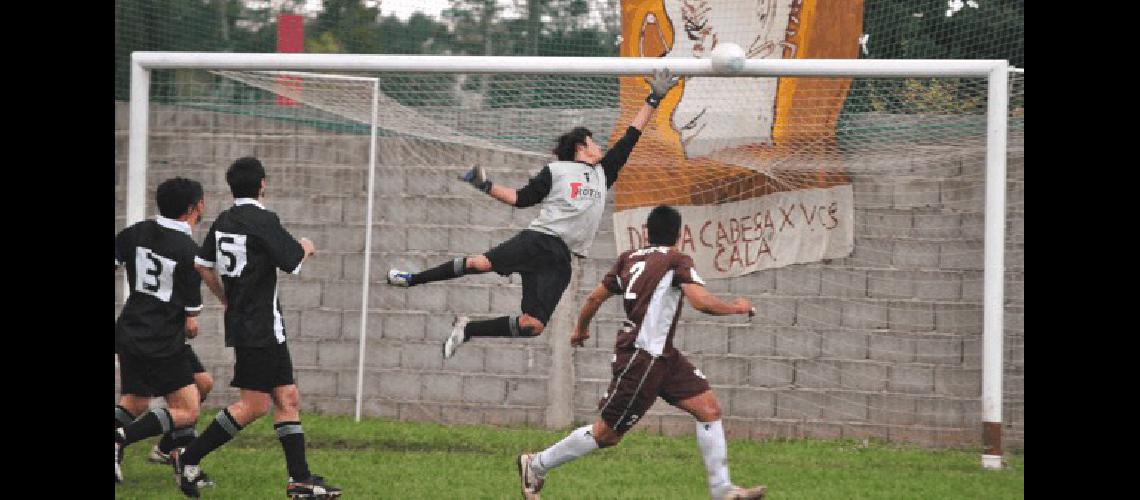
{"x": 477, "y": 177}
{"x": 662, "y": 81}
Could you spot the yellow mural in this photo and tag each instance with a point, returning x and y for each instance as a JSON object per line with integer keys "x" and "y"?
{"x": 690, "y": 152}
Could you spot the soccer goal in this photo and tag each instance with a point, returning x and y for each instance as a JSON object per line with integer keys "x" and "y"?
{"x": 860, "y": 204}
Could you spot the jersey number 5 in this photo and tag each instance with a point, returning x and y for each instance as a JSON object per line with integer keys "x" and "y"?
{"x": 154, "y": 274}
{"x": 231, "y": 254}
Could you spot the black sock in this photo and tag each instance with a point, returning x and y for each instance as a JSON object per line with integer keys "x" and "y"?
{"x": 123, "y": 417}
{"x": 155, "y": 422}
{"x": 451, "y": 269}
{"x": 177, "y": 438}
{"x": 292, "y": 439}
{"x": 503, "y": 326}
{"x": 219, "y": 432}
{"x": 166, "y": 443}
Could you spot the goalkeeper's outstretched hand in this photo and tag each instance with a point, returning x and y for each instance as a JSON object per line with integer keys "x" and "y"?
{"x": 477, "y": 177}
{"x": 662, "y": 81}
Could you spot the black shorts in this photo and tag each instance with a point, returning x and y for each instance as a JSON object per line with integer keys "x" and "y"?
{"x": 195, "y": 363}
{"x": 543, "y": 261}
{"x": 262, "y": 368}
{"x": 639, "y": 378}
{"x": 149, "y": 377}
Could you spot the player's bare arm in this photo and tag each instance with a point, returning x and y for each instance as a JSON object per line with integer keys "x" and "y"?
{"x": 504, "y": 194}
{"x": 704, "y": 301}
{"x": 477, "y": 177}
{"x": 593, "y": 302}
{"x": 212, "y": 282}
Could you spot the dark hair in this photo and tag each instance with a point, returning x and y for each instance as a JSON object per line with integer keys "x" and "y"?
{"x": 664, "y": 225}
{"x": 568, "y": 142}
{"x": 175, "y": 196}
{"x": 244, "y": 177}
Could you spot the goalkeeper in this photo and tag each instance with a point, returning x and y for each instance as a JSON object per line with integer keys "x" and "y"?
{"x": 572, "y": 192}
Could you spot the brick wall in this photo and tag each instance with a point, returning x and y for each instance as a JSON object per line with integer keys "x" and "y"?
{"x": 885, "y": 343}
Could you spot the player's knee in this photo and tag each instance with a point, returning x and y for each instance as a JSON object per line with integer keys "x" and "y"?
{"x": 191, "y": 415}
{"x": 255, "y": 409}
{"x": 288, "y": 399}
{"x": 712, "y": 411}
{"x": 137, "y": 406}
{"x": 530, "y": 326}
{"x": 709, "y": 411}
{"x": 606, "y": 438}
{"x": 478, "y": 263}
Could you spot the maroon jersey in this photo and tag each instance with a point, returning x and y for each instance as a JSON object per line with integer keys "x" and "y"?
{"x": 649, "y": 281}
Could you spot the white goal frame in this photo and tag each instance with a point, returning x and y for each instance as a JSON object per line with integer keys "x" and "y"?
{"x": 996, "y": 73}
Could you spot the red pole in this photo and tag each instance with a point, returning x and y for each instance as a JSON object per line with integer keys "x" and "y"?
{"x": 290, "y": 39}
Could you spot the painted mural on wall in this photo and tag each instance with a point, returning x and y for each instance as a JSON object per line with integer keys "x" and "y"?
{"x": 750, "y": 162}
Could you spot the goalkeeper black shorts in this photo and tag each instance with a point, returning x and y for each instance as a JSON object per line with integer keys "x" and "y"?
{"x": 543, "y": 262}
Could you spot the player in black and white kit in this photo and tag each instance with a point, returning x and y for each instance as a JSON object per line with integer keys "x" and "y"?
{"x": 653, "y": 282}
{"x": 159, "y": 315}
{"x": 246, "y": 246}
{"x": 136, "y": 404}
{"x": 572, "y": 192}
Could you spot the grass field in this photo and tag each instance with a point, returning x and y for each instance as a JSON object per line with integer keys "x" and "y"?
{"x": 389, "y": 459}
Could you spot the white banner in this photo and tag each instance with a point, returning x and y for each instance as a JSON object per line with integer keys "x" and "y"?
{"x": 776, "y": 230}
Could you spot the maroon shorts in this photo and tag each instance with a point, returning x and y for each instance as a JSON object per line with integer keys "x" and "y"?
{"x": 640, "y": 378}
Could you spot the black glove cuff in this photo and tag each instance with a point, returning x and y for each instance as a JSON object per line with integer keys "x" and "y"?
{"x": 652, "y": 100}
{"x": 485, "y": 187}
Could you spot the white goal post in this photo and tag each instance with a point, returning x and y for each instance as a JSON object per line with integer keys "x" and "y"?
{"x": 995, "y": 73}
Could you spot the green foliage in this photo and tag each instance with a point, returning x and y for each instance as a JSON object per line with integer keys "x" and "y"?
{"x": 562, "y": 28}
{"x": 920, "y": 29}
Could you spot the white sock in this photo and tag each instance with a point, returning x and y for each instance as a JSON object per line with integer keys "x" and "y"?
{"x": 577, "y": 444}
{"x": 710, "y": 440}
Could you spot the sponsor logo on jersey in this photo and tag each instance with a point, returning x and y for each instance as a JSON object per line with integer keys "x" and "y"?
{"x": 577, "y": 190}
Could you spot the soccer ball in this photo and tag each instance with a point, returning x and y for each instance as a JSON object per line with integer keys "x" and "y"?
{"x": 728, "y": 57}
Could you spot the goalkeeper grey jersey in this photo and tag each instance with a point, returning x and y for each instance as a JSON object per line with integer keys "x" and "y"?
{"x": 573, "y": 195}
{"x": 574, "y": 206}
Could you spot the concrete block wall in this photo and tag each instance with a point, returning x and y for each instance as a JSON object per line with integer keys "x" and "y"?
{"x": 885, "y": 343}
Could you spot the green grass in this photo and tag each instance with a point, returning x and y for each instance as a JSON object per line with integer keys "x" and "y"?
{"x": 387, "y": 459}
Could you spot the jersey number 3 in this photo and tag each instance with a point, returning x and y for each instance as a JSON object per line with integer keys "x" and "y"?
{"x": 231, "y": 254}
{"x": 154, "y": 274}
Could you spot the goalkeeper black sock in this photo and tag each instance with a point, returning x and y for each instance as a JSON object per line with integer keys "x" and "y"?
{"x": 123, "y": 417}
{"x": 451, "y": 269}
{"x": 292, "y": 439}
{"x": 503, "y": 326}
{"x": 155, "y": 422}
{"x": 219, "y": 432}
